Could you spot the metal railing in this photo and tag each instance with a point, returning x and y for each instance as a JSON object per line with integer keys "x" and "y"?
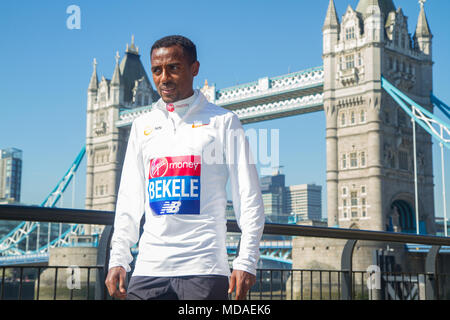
{"x": 271, "y": 284}
{"x": 48, "y": 282}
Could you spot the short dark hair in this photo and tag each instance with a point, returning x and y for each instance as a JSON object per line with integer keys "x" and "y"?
{"x": 188, "y": 46}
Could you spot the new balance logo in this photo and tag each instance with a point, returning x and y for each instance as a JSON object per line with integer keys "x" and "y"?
{"x": 170, "y": 207}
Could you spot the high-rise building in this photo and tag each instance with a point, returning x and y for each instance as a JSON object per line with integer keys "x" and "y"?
{"x": 272, "y": 190}
{"x": 282, "y": 202}
{"x": 304, "y": 201}
{"x": 10, "y": 174}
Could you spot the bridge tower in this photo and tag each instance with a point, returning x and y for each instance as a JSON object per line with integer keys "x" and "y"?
{"x": 369, "y": 139}
{"x": 106, "y": 144}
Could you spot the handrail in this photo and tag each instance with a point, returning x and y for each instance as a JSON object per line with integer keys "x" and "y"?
{"x": 349, "y": 234}
{"x": 44, "y": 214}
{"x": 31, "y": 213}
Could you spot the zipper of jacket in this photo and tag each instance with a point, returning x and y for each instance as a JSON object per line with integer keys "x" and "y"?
{"x": 173, "y": 126}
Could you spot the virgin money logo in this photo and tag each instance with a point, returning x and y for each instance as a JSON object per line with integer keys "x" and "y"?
{"x": 158, "y": 167}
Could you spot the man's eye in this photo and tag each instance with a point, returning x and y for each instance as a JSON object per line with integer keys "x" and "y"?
{"x": 156, "y": 70}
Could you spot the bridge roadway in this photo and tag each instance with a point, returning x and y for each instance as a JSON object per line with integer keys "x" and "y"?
{"x": 265, "y": 99}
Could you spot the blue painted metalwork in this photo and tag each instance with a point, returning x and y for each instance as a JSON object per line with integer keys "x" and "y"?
{"x": 273, "y": 250}
{"x": 270, "y": 258}
{"x": 410, "y": 247}
{"x": 24, "y": 259}
{"x": 55, "y": 195}
{"x": 255, "y": 83}
{"x": 297, "y": 73}
{"x": 124, "y": 111}
{"x": 20, "y": 233}
{"x": 422, "y": 116}
{"x": 440, "y": 105}
{"x": 239, "y": 86}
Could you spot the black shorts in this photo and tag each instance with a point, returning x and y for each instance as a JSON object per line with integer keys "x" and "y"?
{"x": 201, "y": 287}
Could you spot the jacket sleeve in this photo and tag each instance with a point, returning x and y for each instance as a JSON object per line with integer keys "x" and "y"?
{"x": 129, "y": 206}
{"x": 246, "y": 195}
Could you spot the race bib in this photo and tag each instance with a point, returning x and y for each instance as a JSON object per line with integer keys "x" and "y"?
{"x": 174, "y": 185}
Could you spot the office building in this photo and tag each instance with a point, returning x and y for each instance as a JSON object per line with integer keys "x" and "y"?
{"x": 304, "y": 201}
{"x": 10, "y": 174}
{"x": 273, "y": 193}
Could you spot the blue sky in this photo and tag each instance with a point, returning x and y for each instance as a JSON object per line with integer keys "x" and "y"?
{"x": 46, "y": 69}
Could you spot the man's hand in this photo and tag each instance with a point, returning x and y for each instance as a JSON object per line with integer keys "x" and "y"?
{"x": 243, "y": 281}
{"x": 116, "y": 274}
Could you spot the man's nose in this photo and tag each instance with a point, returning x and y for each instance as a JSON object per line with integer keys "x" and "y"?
{"x": 165, "y": 75}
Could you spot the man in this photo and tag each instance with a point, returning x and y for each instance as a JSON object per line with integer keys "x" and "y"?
{"x": 177, "y": 164}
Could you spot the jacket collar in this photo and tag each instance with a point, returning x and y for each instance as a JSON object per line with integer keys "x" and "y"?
{"x": 198, "y": 104}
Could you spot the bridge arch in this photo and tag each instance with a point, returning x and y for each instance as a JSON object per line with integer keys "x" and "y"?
{"x": 401, "y": 215}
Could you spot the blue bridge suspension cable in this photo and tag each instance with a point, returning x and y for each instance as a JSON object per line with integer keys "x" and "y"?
{"x": 440, "y": 105}
{"x": 438, "y": 128}
{"x": 9, "y": 243}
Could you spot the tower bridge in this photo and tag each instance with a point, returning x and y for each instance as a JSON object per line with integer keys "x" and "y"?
{"x": 378, "y": 160}
{"x": 265, "y": 99}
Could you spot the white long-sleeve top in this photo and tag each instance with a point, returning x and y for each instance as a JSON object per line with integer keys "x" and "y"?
{"x": 175, "y": 171}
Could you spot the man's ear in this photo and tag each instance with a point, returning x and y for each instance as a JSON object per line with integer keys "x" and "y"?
{"x": 195, "y": 68}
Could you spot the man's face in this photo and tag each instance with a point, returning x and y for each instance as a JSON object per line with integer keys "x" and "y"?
{"x": 173, "y": 73}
